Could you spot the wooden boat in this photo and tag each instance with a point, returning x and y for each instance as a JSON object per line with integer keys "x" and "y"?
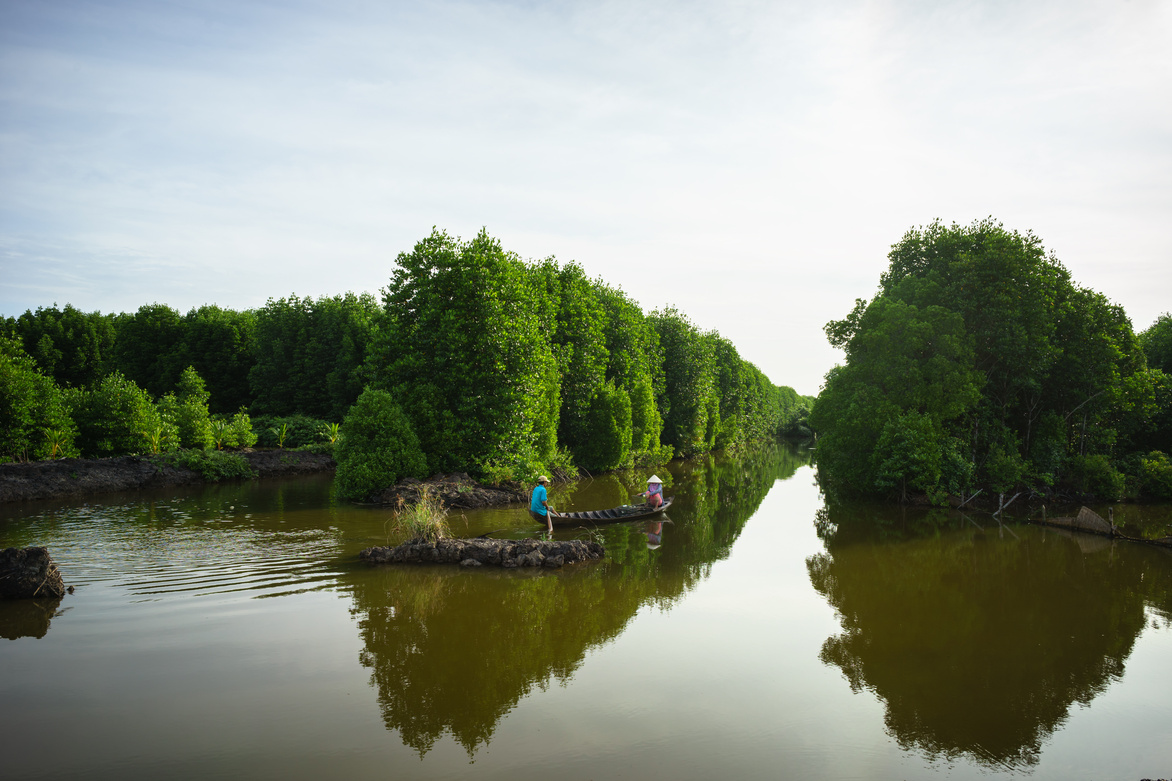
{"x": 628, "y": 512}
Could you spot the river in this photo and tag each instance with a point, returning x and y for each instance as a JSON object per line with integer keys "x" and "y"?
{"x": 230, "y": 632}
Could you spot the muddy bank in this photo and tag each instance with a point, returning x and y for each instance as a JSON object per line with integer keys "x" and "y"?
{"x": 26, "y": 573}
{"x": 77, "y": 477}
{"x": 481, "y": 551}
{"x": 457, "y": 491}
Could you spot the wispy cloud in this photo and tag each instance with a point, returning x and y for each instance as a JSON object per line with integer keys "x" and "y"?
{"x": 749, "y": 162}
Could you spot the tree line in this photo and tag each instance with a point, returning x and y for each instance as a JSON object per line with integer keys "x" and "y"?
{"x": 495, "y": 365}
{"x": 980, "y": 364}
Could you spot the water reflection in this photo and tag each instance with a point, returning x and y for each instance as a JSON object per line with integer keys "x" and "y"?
{"x": 267, "y": 539}
{"x": 979, "y": 640}
{"x": 28, "y": 617}
{"x": 453, "y": 650}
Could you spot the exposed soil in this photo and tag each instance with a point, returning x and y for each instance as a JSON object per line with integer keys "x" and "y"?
{"x": 457, "y": 491}
{"x": 73, "y": 477}
{"x": 550, "y": 554}
{"x": 29, "y": 572}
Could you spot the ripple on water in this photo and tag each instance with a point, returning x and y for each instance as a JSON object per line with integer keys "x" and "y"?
{"x": 157, "y": 549}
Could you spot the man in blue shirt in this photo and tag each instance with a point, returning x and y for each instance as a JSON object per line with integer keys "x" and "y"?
{"x": 539, "y": 505}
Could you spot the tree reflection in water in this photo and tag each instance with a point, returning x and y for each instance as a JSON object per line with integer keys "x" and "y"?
{"x": 454, "y": 650}
{"x": 979, "y": 641}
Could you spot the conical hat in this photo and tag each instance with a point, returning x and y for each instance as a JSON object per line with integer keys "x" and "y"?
{"x": 654, "y": 479}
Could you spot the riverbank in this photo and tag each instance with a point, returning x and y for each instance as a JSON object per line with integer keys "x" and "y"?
{"x": 80, "y": 477}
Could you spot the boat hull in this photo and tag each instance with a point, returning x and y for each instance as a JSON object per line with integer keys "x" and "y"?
{"x": 614, "y": 515}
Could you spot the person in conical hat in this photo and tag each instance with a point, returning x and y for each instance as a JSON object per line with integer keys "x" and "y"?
{"x": 539, "y": 504}
{"x": 654, "y": 492}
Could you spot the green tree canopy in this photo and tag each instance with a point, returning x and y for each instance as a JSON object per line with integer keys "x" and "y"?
{"x": 978, "y": 361}
{"x": 465, "y": 354}
{"x": 1157, "y": 343}
{"x": 689, "y": 405}
{"x": 34, "y": 419}
{"x": 73, "y": 347}
{"x": 309, "y": 354}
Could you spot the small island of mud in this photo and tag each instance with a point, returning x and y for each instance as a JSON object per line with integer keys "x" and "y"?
{"x": 481, "y": 551}
{"x": 457, "y": 491}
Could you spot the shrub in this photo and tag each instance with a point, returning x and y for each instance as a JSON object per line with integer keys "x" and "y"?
{"x": 287, "y": 430}
{"x": 1005, "y": 467}
{"x": 525, "y": 470}
{"x": 378, "y": 446}
{"x": 609, "y": 423}
{"x": 653, "y": 456}
{"x": 240, "y": 431}
{"x": 1156, "y": 473}
{"x": 324, "y": 448}
{"x": 213, "y": 465}
{"x": 234, "y": 432}
{"x": 118, "y": 418}
{"x": 187, "y": 408}
{"x": 34, "y": 418}
{"x": 1095, "y": 475}
{"x": 192, "y": 421}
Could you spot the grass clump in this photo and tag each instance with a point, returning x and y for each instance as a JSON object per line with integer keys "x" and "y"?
{"x": 426, "y": 520}
{"x": 212, "y": 465}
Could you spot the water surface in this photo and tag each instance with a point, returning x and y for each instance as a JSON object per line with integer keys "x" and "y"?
{"x": 757, "y": 633}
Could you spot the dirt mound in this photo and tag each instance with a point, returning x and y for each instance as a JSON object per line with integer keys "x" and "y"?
{"x": 480, "y": 551}
{"x": 74, "y": 477}
{"x": 29, "y": 572}
{"x": 456, "y": 491}
{"x": 283, "y": 463}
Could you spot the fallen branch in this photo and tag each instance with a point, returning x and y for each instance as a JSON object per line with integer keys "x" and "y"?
{"x": 966, "y": 501}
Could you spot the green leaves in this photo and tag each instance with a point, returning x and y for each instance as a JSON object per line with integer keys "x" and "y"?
{"x": 118, "y": 418}
{"x": 310, "y": 354}
{"x": 500, "y": 366}
{"x": 377, "y": 447}
{"x": 466, "y": 354}
{"x": 978, "y": 358}
{"x": 34, "y": 418}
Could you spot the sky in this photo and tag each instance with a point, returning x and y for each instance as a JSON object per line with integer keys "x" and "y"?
{"x": 749, "y": 163}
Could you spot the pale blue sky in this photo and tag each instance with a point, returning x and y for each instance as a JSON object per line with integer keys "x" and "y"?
{"x": 748, "y": 162}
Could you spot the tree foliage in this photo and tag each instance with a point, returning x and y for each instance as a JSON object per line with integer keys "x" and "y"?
{"x": 504, "y": 368}
{"x": 979, "y": 361}
{"x": 73, "y": 347}
{"x": 465, "y": 354}
{"x": 689, "y": 400}
{"x": 377, "y": 447}
{"x": 309, "y": 354}
{"x": 187, "y": 408}
{"x": 1157, "y": 343}
{"x": 34, "y": 419}
{"x": 117, "y": 418}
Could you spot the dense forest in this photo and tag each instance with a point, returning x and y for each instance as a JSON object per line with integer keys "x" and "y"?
{"x": 473, "y": 360}
{"x": 981, "y": 365}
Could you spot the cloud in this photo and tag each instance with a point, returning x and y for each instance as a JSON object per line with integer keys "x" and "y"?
{"x": 748, "y": 162}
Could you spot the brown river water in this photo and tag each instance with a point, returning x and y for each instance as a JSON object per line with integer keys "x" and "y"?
{"x": 230, "y": 632}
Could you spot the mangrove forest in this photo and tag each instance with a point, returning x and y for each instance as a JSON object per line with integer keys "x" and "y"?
{"x": 980, "y": 365}
{"x": 473, "y": 360}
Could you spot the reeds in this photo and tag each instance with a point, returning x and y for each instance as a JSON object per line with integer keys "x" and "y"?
{"x": 426, "y": 519}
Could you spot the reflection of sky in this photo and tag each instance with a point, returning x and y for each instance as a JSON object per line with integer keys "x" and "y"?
{"x": 723, "y": 682}
{"x": 228, "y": 152}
